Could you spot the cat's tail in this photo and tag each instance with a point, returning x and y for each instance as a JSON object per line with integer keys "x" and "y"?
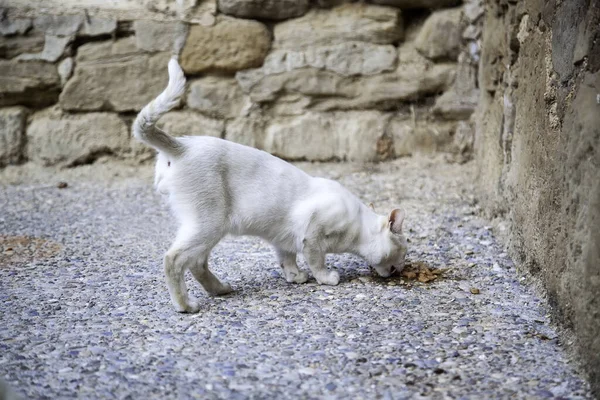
{"x": 144, "y": 128}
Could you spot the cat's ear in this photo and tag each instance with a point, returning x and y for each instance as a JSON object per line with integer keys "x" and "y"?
{"x": 395, "y": 221}
{"x": 371, "y": 206}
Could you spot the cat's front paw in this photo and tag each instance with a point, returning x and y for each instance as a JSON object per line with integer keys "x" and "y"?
{"x": 192, "y": 307}
{"x": 297, "y": 277}
{"x": 224, "y": 289}
{"x": 328, "y": 278}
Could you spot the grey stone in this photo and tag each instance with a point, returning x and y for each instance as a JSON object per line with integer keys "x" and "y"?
{"x": 351, "y": 136}
{"x": 350, "y": 58}
{"x": 349, "y": 22}
{"x": 59, "y": 25}
{"x": 264, "y": 9}
{"x": 65, "y": 69}
{"x": 97, "y": 26}
{"x": 190, "y": 123}
{"x": 28, "y": 83}
{"x": 229, "y": 46}
{"x": 413, "y": 77}
{"x": 16, "y": 26}
{"x": 12, "y": 135}
{"x": 218, "y": 96}
{"x": 412, "y": 136}
{"x": 54, "y": 48}
{"x": 461, "y": 100}
{"x": 410, "y": 4}
{"x": 57, "y": 138}
{"x": 12, "y": 46}
{"x": 440, "y": 36}
{"x": 155, "y": 36}
{"x": 124, "y": 80}
{"x": 249, "y": 131}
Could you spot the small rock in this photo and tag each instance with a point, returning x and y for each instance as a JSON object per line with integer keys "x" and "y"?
{"x": 474, "y": 290}
{"x": 62, "y": 185}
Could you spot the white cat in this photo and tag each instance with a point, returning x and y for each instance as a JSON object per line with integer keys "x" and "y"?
{"x": 216, "y": 187}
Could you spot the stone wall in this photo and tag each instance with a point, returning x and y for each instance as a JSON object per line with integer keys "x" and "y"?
{"x": 305, "y": 80}
{"x": 538, "y": 149}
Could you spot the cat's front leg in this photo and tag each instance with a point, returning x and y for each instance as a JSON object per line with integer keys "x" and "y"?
{"x": 288, "y": 264}
{"x": 316, "y": 261}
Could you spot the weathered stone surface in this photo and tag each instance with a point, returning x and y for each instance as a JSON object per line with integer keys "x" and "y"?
{"x": 440, "y": 36}
{"x": 57, "y": 138}
{"x": 12, "y": 46}
{"x": 420, "y": 136}
{"x": 218, "y": 96}
{"x": 264, "y": 9}
{"x": 349, "y": 22}
{"x": 29, "y": 83}
{"x": 460, "y": 101}
{"x": 409, "y": 4}
{"x": 96, "y": 26}
{"x": 17, "y": 26}
{"x": 190, "y": 123}
{"x": 350, "y": 58}
{"x": 249, "y": 131}
{"x": 65, "y": 69}
{"x": 54, "y": 48}
{"x": 351, "y": 136}
{"x": 59, "y": 25}
{"x": 414, "y": 77}
{"x": 114, "y": 76}
{"x": 230, "y": 45}
{"x": 12, "y": 135}
{"x": 155, "y": 36}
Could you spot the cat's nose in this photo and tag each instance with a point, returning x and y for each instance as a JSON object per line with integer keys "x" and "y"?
{"x": 392, "y": 270}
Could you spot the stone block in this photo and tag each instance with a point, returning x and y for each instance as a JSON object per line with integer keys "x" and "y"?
{"x": 28, "y": 83}
{"x": 349, "y": 22}
{"x": 264, "y": 9}
{"x": 71, "y": 139}
{"x": 228, "y": 46}
{"x": 218, "y": 96}
{"x": 12, "y": 135}
{"x": 440, "y": 36}
{"x": 411, "y": 4}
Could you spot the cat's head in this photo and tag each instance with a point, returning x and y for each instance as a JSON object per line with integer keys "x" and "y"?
{"x": 393, "y": 259}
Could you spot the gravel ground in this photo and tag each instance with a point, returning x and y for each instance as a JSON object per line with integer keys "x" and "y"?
{"x": 85, "y": 313}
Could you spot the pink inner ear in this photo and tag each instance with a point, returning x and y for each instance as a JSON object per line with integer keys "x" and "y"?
{"x": 396, "y": 220}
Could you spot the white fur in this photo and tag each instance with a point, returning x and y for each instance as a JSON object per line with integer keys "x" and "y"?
{"x": 216, "y": 187}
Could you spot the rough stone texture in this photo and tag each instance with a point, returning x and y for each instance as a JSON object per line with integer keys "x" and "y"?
{"x": 350, "y": 136}
{"x": 408, "y": 4}
{"x": 98, "y": 316}
{"x": 538, "y": 152}
{"x": 54, "y": 48}
{"x": 218, "y": 96}
{"x": 323, "y": 90}
{"x": 440, "y": 36}
{"x": 12, "y": 46}
{"x": 229, "y": 46}
{"x": 264, "y": 9}
{"x": 155, "y": 36}
{"x": 12, "y": 135}
{"x": 249, "y": 131}
{"x": 114, "y": 76}
{"x": 56, "y": 138}
{"x": 349, "y": 22}
{"x": 14, "y": 26}
{"x": 65, "y": 69}
{"x": 349, "y": 58}
{"x": 460, "y": 101}
{"x": 59, "y": 25}
{"x": 413, "y": 136}
{"x": 29, "y": 83}
{"x": 96, "y": 26}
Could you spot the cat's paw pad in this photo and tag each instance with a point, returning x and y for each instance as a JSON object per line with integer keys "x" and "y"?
{"x": 328, "y": 278}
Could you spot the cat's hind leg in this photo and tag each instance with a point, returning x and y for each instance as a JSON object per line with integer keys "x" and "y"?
{"x": 288, "y": 264}
{"x": 205, "y": 277}
{"x": 190, "y": 247}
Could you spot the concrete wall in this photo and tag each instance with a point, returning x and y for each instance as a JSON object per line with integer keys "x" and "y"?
{"x": 538, "y": 149}
{"x": 314, "y": 80}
